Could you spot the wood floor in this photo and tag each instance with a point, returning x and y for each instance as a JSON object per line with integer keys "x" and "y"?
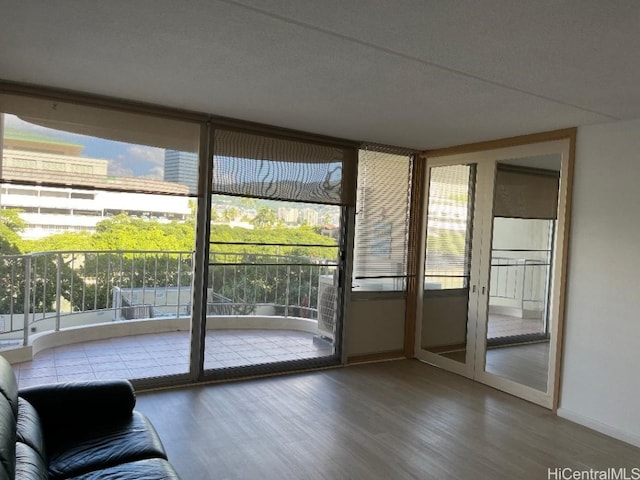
{"x": 390, "y": 420}
{"x": 506, "y": 326}
{"x": 526, "y": 364}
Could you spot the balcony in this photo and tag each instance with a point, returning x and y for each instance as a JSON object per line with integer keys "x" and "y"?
{"x": 128, "y": 313}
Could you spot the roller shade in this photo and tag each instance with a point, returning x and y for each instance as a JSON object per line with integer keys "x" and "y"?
{"x": 128, "y": 147}
{"x": 104, "y": 123}
{"x": 525, "y": 193}
{"x": 259, "y": 166}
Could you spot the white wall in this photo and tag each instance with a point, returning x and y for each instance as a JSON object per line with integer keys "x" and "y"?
{"x": 600, "y": 382}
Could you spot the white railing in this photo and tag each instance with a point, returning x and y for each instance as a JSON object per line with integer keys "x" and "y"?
{"x": 50, "y": 291}
{"x": 519, "y": 282}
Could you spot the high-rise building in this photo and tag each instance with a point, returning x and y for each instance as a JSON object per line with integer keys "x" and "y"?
{"x": 90, "y": 194}
{"x": 181, "y": 167}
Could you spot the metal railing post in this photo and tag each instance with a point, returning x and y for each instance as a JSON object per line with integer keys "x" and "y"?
{"x": 286, "y": 300}
{"x": 524, "y": 281}
{"x": 58, "y": 291}
{"x": 179, "y": 285}
{"x": 27, "y": 296}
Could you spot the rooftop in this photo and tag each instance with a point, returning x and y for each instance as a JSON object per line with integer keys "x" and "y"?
{"x": 32, "y": 140}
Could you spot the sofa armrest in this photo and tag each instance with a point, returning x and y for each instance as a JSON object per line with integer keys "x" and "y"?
{"x": 81, "y": 405}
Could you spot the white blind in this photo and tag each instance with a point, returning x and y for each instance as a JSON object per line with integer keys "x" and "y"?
{"x": 259, "y": 166}
{"x": 449, "y": 220}
{"x": 382, "y": 220}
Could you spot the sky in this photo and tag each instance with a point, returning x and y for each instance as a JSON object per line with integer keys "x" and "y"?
{"x": 125, "y": 159}
{"x": 134, "y": 160}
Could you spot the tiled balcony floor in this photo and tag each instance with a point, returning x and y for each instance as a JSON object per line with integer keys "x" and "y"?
{"x": 142, "y": 356}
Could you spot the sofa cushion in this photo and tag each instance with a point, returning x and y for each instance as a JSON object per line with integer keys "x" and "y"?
{"x": 151, "y": 469}
{"x": 66, "y": 409}
{"x": 29, "y": 463}
{"x": 29, "y": 428}
{"x": 7, "y": 439}
{"x": 119, "y": 442}
{"x": 8, "y": 385}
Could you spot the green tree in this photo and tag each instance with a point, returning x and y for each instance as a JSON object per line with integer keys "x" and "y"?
{"x": 114, "y": 258}
{"x": 11, "y": 225}
{"x": 67, "y": 241}
{"x": 265, "y": 218}
{"x": 230, "y": 214}
{"x": 37, "y": 272}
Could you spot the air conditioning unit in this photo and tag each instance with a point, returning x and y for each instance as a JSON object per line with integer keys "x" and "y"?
{"x": 327, "y": 306}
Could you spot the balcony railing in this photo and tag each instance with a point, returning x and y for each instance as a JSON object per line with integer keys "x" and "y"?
{"x": 520, "y": 282}
{"x": 50, "y": 291}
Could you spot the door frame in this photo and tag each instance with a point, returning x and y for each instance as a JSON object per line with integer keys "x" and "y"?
{"x": 559, "y": 141}
{"x": 466, "y": 368}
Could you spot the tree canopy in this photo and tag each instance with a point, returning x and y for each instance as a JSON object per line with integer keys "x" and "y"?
{"x": 126, "y": 233}
{"x": 11, "y": 225}
{"x": 87, "y": 280}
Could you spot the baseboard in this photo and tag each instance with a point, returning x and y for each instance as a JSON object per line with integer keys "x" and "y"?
{"x": 608, "y": 430}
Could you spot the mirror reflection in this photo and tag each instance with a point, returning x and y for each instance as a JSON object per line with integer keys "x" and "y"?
{"x": 522, "y": 250}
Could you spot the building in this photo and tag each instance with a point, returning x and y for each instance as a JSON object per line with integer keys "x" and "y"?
{"x": 48, "y": 209}
{"x": 430, "y": 76}
{"x": 181, "y": 167}
{"x": 288, "y": 214}
{"x": 308, "y": 216}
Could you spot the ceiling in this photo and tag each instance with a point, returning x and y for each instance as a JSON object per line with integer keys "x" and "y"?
{"x": 413, "y": 73}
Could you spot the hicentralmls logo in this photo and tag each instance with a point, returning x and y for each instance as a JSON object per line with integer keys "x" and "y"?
{"x": 613, "y": 473}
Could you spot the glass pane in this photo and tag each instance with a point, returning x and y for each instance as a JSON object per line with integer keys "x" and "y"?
{"x": 61, "y": 144}
{"x": 95, "y": 237}
{"x": 272, "y": 291}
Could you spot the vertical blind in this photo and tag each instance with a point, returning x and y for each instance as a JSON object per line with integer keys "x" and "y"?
{"x": 382, "y": 220}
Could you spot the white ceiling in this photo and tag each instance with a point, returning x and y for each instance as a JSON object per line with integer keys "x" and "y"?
{"x": 412, "y": 73}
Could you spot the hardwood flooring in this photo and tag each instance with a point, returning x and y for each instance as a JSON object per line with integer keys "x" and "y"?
{"x": 526, "y": 364}
{"x": 389, "y": 420}
{"x": 506, "y": 326}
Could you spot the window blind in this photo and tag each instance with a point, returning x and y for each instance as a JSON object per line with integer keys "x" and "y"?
{"x": 525, "y": 193}
{"x": 450, "y": 211}
{"x": 260, "y": 166}
{"x": 46, "y": 143}
{"x": 382, "y": 220}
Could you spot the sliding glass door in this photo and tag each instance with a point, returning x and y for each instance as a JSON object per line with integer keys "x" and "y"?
{"x": 175, "y": 250}
{"x": 275, "y": 248}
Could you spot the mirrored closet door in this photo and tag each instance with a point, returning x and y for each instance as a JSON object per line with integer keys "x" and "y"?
{"x": 489, "y": 306}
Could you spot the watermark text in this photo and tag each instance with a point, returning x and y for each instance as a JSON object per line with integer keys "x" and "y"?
{"x": 612, "y": 473}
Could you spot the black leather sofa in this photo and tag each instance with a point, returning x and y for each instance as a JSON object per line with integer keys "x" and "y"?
{"x": 80, "y": 430}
